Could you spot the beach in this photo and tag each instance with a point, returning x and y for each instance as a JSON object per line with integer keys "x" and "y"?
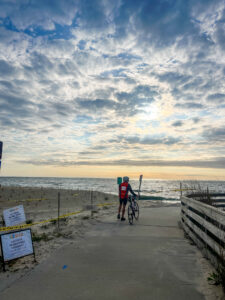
{"x": 42, "y": 203}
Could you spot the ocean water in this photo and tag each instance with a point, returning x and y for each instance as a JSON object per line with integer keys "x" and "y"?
{"x": 167, "y": 189}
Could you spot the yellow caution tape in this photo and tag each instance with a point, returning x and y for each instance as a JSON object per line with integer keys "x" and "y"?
{"x": 46, "y": 221}
{"x": 15, "y": 227}
{"x": 36, "y": 223}
{"x": 105, "y": 204}
{"x": 28, "y": 200}
{"x": 182, "y": 190}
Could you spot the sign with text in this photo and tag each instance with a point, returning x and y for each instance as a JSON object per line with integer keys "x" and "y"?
{"x": 16, "y": 244}
{"x": 14, "y": 216}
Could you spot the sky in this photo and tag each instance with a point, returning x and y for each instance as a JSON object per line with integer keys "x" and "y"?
{"x": 98, "y": 88}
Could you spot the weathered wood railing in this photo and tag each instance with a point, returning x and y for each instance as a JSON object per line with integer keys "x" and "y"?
{"x": 205, "y": 225}
{"x": 216, "y": 199}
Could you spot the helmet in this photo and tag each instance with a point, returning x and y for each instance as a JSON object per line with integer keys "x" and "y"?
{"x": 125, "y": 179}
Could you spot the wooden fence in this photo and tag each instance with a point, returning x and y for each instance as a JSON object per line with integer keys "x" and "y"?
{"x": 215, "y": 199}
{"x": 205, "y": 225}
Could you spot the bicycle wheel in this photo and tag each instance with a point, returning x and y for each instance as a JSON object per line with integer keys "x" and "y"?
{"x": 136, "y": 211}
{"x": 130, "y": 215}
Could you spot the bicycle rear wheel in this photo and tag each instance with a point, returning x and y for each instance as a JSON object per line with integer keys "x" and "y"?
{"x": 136, "y": 211}
{"x": 130, "y": 215}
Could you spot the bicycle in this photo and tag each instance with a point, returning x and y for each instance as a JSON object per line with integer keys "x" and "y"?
{"x": 133, "y": 209}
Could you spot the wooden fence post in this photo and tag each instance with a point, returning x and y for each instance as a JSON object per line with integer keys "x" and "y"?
{"x": 91, "y": 200}
{"x": 58, "y": 208}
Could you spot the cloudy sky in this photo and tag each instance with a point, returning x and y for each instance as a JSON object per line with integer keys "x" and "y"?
{"x": 98, "y": 88}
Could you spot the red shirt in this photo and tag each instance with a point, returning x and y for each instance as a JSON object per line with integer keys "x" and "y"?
{"x": 124, "y": 190}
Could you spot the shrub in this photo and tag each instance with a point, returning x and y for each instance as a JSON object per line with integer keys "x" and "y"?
{"x": 40, "y": 237}
{"x": 29, "y": 221}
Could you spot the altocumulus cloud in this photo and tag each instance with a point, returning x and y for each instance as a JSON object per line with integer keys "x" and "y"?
{"x": 76, "y": 76}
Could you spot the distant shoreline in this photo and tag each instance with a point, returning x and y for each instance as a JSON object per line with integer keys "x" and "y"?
{"x": 114, "y": 178}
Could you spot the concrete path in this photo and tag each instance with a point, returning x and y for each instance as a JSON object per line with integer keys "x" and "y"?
{"x": 149, "y": 260}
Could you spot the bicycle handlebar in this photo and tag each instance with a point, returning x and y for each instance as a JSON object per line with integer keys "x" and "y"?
{"x": 132, "y": 197}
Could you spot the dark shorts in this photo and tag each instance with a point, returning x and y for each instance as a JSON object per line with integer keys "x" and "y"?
{"x": 123, "y": 201}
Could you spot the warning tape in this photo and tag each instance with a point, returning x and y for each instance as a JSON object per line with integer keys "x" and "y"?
{"x": 28, "y": 200}
{"x": 182, "y": 190}
{"x": 37, "y": 223}
{"x": 15, "y": 227}
{"x": 49, "y": 220}
{"x": 105, "y": 204}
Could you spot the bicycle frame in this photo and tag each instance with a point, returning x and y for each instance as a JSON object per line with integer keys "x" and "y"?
{"x": 133, "y": 210}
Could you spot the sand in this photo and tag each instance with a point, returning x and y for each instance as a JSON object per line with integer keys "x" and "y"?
{"x": 42, "y": 203}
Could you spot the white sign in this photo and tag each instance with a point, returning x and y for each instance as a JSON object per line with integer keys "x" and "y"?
{"x": 16, "y": 244}
{"x": 14, "y": 216}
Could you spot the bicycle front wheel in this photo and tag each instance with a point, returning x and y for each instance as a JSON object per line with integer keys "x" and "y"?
{"x": 136, "y": 211}
{"x": 130, "y": 215}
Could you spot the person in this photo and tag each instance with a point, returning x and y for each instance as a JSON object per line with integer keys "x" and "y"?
{"x": 124, "y": 189}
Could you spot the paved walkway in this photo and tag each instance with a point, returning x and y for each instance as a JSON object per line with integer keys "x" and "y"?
{"x": 149, "y": 260}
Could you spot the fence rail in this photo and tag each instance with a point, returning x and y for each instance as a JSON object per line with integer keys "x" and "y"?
{"x": 217, "y": 199}
{"x": 205, "y": 225}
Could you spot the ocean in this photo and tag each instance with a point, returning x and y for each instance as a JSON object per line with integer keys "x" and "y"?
{"x": 166, "y": 190}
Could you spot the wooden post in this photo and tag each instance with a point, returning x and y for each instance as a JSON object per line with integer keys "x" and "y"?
{"x": 91, "y": 198}
{"x": 58, "y": 208}
{"x": 208, "y": 197}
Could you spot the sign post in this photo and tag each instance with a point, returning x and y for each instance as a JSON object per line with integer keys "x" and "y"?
{"x": 1, "y": 146}
{"x": 58, "y": 208}
{"x": 140, "y": 181}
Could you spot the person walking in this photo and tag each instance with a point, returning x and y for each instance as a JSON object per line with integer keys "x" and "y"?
{"x": 124, "y": 189}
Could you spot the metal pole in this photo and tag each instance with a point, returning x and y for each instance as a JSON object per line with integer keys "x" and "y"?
{"x": 3, "y": 261}
{"x": 181, "y": 189}
{"x": 33, "y": 246}
{"x": 58, "y": 208}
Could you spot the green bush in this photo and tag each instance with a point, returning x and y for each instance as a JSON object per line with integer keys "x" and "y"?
{"x": 29, "y": 221}
{"x": 41, "y": 237}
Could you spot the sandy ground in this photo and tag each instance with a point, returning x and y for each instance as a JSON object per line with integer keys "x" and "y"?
{"x": 41, "y": 204}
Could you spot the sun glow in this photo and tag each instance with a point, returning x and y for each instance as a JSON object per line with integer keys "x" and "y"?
{"x": 150, "y": 112}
